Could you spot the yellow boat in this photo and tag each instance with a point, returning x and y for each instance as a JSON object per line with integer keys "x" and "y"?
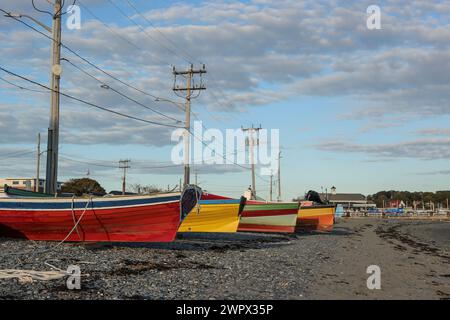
{"x": 220, "y": 216}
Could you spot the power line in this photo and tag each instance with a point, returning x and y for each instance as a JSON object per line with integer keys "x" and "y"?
{"x": 160, "y": 167}
{"x": 16, "y": 154}
{"x": 89, "y": 163}
{"x": 188, "y": 55}
{"x": 156, "y": 59}
{"x": 109, "y": 75}
{"x": 224, "y": 157}
{"x": 145, "y": 161}
{"x": 106, "y": 86}
{"x": 108, "y": 27}
{"x": 96, "y": 163}
{"x": 147, "y": 34}
{"x": 20, "y": 87}
{"x": 157, "y": 98}
{"x": 89, "y": 103}
{"x": 217, "y": 100}
{"x": 190, "y": 58}
{"x": 57, "y": 14}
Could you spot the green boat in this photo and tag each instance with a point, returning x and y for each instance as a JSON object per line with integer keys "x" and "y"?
{"x": 24, "y": 193}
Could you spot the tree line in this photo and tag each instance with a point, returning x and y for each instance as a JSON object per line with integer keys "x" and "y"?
{"x": 83, "y": 186}
{"x": 436, "y": 198}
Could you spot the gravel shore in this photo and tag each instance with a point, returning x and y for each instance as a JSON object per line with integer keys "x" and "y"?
{"x": 413, "y": 256}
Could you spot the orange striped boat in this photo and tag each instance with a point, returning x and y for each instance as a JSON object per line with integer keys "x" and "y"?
{"x": 315, "y": 217}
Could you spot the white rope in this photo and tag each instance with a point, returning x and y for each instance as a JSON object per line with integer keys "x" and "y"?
{"x": 198, "y": 202}
{"x": 76, "y": 224}
{"x": 72, "y": 207}
{"x": 27, "y": 276}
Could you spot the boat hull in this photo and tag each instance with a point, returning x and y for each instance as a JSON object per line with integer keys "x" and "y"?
{"x": 218, "y": 216}
{"x": 320, "y": 218}
{"x": 269, "y": 217}
{"x": 124, "y": 219}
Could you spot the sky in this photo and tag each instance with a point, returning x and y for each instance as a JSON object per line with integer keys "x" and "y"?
{"x": 363, "y": 110}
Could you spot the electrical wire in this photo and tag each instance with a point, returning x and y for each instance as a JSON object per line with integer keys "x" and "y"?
{"x": 116, "y": 166}
{"x": 157, "y": 98}
{"x": 111, "y": 76}
{"x": 89, "y": 103}
{"x": 22, "y": 88}
{"x": 140, "y": 49}
{"x": 108, "y": 27}
{"x": 18, "y": 154}
{"x": 224, "y": 157}
{"x": 89, "y": 163}
{"x": 186, "y": 54}
{"x": 56, "y": 14}
{"x": 147, "y": 34}
{"x": 106, "y": 86}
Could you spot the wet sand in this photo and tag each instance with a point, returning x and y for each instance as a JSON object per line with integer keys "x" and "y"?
{"x": 413, "y": 256}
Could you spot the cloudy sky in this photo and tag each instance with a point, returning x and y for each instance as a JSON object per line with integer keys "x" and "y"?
{"x": 363, "y": 110}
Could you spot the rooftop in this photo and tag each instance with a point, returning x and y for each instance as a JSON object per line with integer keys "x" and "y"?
{"x": 343, "y": 197}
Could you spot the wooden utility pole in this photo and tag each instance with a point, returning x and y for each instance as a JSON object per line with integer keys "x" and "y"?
{"x": 38, "y": 165}
{"x": 251, "y": 145}
{"x": 124, "y": 165}
{"x": 188, "y": 90}
{"x": 51, "y": 181}
{"x": 279, "y": 176}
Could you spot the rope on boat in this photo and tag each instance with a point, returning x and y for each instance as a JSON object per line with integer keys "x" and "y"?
{"x": 28, "y": 276}
{"x": 198, "y": 202}
{"x": 75, "y": 227}
{"x": 72, "y": 207}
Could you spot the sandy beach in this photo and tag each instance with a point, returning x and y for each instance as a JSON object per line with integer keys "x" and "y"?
{"x": 413, "y": 257}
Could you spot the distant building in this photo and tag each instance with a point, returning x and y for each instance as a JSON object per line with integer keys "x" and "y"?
{"x": 25, "y": 184}
{"x": 349, "y": 201}
{"x": 396, "y": 204}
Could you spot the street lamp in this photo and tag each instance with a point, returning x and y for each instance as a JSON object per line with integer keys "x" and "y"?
{"x": 19, "y": 16}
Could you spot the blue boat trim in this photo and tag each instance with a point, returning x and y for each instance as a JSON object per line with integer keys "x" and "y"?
{"x": 81, "y": 205}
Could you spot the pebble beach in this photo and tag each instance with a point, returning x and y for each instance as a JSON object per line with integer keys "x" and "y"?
{"x": 413, "y": 256}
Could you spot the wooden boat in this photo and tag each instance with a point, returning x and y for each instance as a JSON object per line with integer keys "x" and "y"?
{"x": 269, "y": 217}
{"x": 114, "y": 219}
{"x": 214, "y": 215}
{"x": 19, "y": 193}
{"x": 315, "y": 217}
{"x": 260, "y": 216}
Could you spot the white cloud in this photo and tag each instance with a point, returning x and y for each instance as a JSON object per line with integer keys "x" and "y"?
{"x": 257, "y": 53}
{"x": 423, "y": 149}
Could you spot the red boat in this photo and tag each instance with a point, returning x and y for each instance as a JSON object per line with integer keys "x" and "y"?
{"x": 115, "y": 219}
